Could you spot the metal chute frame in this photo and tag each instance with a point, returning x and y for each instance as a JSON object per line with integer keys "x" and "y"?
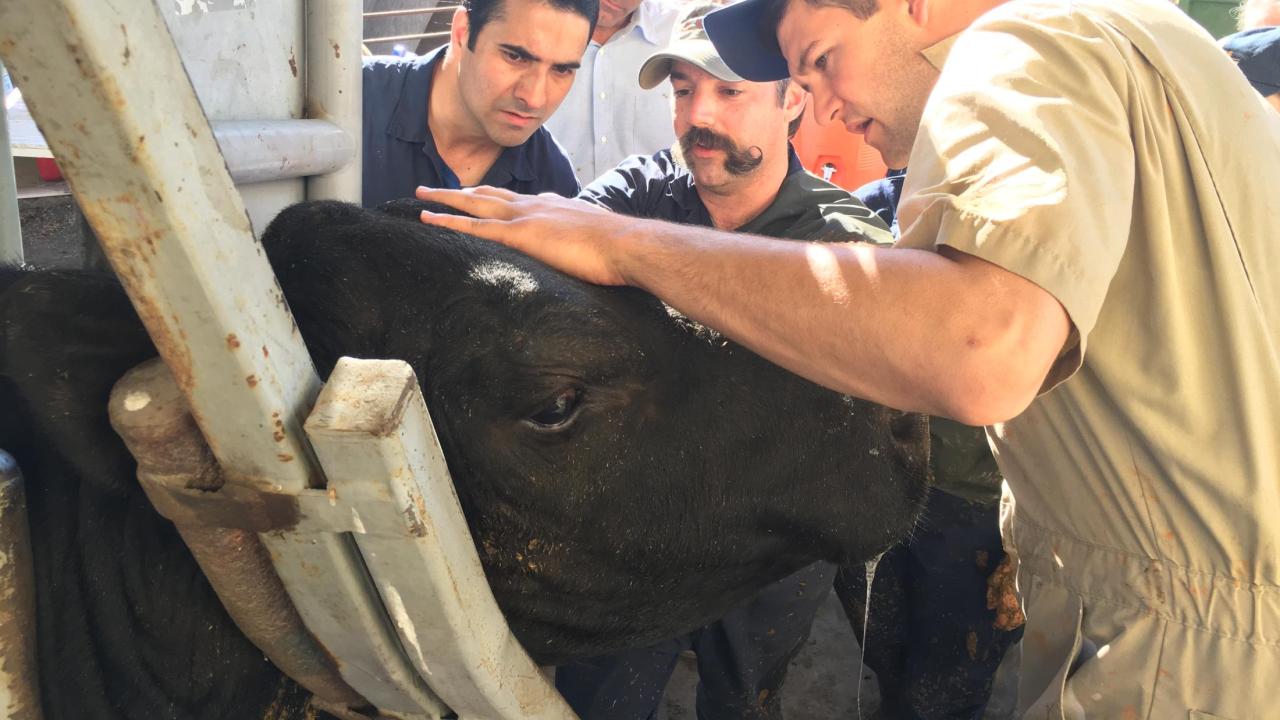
{"x": 354, "y": 506}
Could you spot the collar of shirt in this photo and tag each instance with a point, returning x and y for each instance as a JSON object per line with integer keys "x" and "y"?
{"x": 936, "y": 54}
{"x": 409, "y": 123}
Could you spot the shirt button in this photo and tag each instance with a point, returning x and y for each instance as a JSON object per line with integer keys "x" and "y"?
{"x": 603, "y": 139}
{"x": 601, "y": 96}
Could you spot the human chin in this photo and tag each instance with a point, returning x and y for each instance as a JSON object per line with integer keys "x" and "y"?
{"x": 509, "y": 132}
{"x": 893, "y": 151}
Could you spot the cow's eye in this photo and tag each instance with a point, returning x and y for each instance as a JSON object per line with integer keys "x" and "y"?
{"x": 558, "y": 411}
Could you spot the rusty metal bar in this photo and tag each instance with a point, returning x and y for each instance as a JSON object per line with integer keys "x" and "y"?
{"x": 151, "y": 416}
{"x": 371, "y": 429}
{"x": 141, "y": 159}
{"x": 19, "y": 676}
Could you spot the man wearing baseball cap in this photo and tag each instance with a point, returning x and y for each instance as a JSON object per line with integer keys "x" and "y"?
{"x": 732, "y": 167}
{"x": 1087, "y": 265}
{"x": 1257, "y": 54}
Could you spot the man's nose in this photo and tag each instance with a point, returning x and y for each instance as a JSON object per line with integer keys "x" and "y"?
{"x": 826, "y": 106}
{"x": 703, "y": 110}
{"x": 531, "y": 91}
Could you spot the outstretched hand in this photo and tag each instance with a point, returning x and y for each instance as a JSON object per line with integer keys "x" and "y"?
{"x": 572, "y": 236}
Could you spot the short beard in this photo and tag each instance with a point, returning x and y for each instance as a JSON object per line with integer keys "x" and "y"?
{"x": 737, "y": 161}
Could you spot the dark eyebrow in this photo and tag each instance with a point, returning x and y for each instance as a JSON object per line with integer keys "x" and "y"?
{"x": 524, "y": 54}
{"x": 677, "y": 75}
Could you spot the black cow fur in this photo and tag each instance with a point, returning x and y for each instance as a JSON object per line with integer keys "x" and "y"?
{"x": 687, "y": 472}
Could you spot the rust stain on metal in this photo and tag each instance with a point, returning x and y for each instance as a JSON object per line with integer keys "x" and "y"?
{"x": 116, "y": 220}
{"x": 284, "y": 457}
{"x": 240, "y": 570}
{"x": 191, "y": 130}
{"x": 265, "y": 352}
{"x": 252, "y": 380}
{"x": 233, "y": 342}
{"x": 127, "y": 51}
{"x": 337, "y": 51}
{"x": 293, "y": 63}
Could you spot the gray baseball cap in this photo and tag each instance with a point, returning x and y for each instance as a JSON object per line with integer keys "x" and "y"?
{"x": 690, "y": 44}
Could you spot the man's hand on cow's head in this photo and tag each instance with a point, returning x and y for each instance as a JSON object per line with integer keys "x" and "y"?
{"x": 573, "y": 236}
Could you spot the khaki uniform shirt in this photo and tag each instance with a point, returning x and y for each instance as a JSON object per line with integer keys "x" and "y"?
{"x": 1108, "y": 151}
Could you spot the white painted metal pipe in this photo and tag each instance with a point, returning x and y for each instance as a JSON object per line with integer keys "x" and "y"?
{"x": 333, "y": 64}
{"x": 262, "y": 150}
{"x": 10, "y": 227}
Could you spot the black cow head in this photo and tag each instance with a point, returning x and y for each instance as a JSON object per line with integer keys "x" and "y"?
{"x": 627, "y": 474}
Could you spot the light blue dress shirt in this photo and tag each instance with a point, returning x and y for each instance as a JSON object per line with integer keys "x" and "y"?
{"x": 606, "y": 117}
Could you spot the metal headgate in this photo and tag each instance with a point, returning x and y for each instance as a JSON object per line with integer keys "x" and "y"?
{"x": 371, "y": 547}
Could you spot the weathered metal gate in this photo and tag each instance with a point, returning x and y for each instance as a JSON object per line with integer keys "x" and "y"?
{"x": 354, "y": 506}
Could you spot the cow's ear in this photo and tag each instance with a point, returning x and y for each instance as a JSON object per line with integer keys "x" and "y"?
{"x": 411, "y": 208}
{"x": 320, "y": 252}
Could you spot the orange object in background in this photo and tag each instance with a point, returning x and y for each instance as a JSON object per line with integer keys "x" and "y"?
{"x": 850, "y": 161}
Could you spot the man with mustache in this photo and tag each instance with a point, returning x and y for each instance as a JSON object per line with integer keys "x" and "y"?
{"x": 471, "y": 112}
{"x": 732, "y": 168}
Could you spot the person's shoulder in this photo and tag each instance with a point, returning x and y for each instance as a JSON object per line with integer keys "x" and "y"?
{"x": 387, "y": 71}
{"x": 629, "y": 187}
{"x": 1067, "y": 22}
{"x": 388, "y": 65}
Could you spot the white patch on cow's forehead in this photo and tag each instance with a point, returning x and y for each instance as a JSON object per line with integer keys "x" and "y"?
{"x": 505, "y": 275}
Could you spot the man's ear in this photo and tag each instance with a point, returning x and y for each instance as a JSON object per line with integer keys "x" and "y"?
{"x": 918, "y": 11}
{"x": 794, "y": 101}
{"x": 459, "y": 29}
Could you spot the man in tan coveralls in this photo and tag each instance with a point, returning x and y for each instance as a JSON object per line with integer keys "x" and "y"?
{"x": 1089, "y": 264}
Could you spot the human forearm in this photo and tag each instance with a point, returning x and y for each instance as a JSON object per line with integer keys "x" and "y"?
{"x": 945, "y": 334}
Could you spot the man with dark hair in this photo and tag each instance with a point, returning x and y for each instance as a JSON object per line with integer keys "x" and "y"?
{"x": 471, "y": 112}
{"x": 1087, "y": 264}
{"x": 732, "y": 167}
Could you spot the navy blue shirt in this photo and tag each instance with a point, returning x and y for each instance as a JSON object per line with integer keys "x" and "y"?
{"x": 806, "y": 207}
{"x": 882, "y": 197}
{"x": 400, "y": 154}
